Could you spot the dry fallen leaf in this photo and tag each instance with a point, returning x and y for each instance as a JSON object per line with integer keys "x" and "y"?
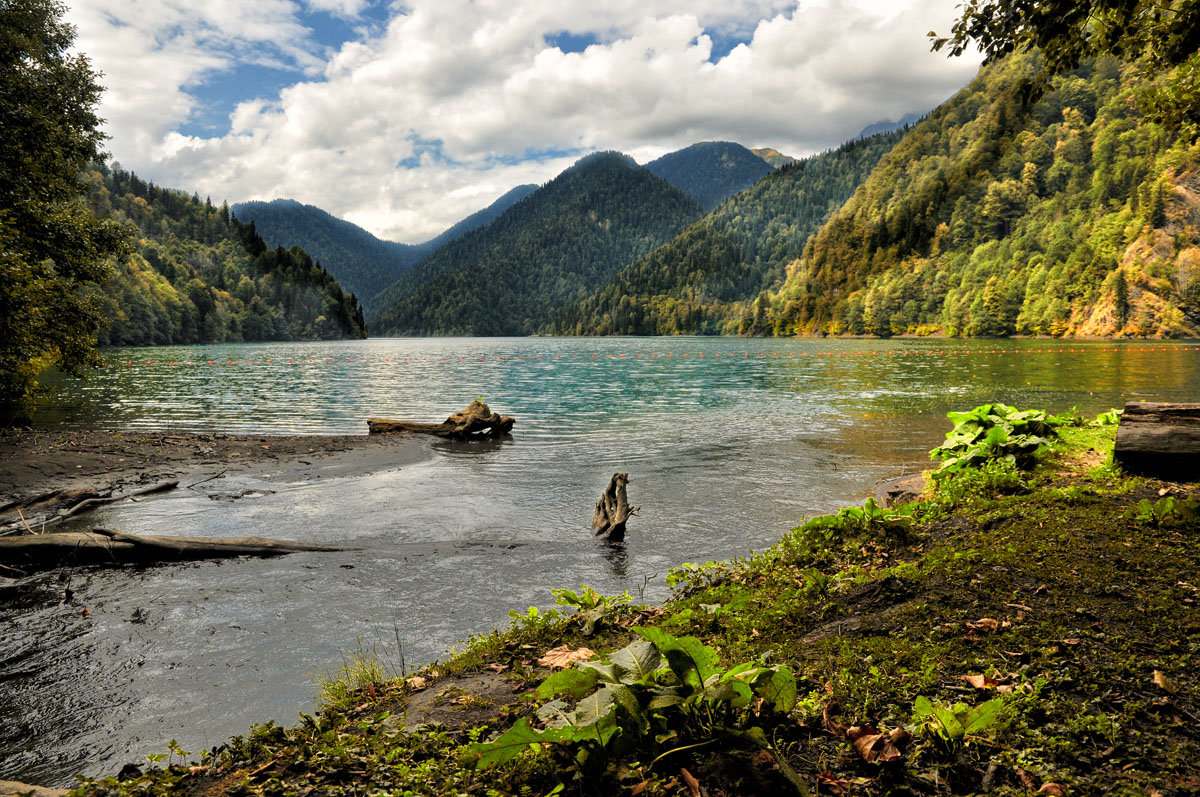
{"x": 1163, "y": 682}
{"x": 561, "y": 657}
{"x": 835, "y": 785}
{"x": 873, "y": 745}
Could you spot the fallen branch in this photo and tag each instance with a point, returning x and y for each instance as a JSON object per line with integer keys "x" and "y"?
{"x": 105, "y": 546}
{"x": 81, "y": 501}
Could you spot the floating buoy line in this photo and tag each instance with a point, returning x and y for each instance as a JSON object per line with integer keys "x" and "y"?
{"x": 728, "y": 356}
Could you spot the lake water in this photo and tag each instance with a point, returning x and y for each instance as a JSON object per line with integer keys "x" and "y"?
{"x": 728, "y": 444}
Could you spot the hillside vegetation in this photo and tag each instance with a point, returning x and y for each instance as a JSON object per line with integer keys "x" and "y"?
{"x": 199, "y": 275}
{"x": 547, "y": 251}
{"x": 692, "y": 284}
{"x": 1013, "y": 211}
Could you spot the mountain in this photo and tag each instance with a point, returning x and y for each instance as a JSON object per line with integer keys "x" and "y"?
{"x": 711, "y": 171}
{"x": 1013, "y": 210}
{"x": 198, "y": 275}
{"x": 549, "y": 250}
{"x": 363, "y": 263}
{"x": 691, "y": 285}
{"x": 888, "y": 127}
{"x": 480, "y": 218}
{"x": 360, "y": 261}
{"x": 774, "y": 157}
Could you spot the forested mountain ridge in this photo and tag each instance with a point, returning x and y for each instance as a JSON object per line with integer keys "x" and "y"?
{"x": 198, "y": 275}
{"x": 362, "y": 263}
{"x": 549, "y": 250}
{"x": 1013, "y": 211}
{"x": 711, "y": 171}
{"x": 693, "y": 283}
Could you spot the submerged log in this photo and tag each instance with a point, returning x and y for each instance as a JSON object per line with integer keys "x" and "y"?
{"x": 613, "y": 510}
{"x": 476, "y": 422}
{"x": 1160, "y": 440}
{"x": 104, "y": 546}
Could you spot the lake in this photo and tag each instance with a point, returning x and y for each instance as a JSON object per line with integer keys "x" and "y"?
{"x": 728, "y": 443}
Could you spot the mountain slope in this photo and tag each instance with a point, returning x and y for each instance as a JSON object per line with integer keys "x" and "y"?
{"x": 547, "y": 251}
{"x": 691, "y": 284}
{"x": 363, "y": 263}
{"x": 711, "y": 171}
{"x": 774, "y": 157}
{"x": 198, "y": 275}
{"x": 1006, "y": 211}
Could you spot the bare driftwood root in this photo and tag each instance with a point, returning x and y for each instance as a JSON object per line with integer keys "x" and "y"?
{"x": 476, "y": 422}
{"x": 613, "y": 510}
{"x": 105, "y": 546}
{"x": 33, "y": 514}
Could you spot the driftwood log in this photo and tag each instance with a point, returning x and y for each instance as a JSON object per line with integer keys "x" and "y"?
{"x": 1160, "y": 440}
{"x": 22, "y": 555}
{"x": 476, "y": 422}
{"x": 613, "y": 510}
{"x": 37, "y": 512}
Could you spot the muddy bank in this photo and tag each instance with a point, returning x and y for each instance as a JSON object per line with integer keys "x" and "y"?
{"x": 34, "y": 461}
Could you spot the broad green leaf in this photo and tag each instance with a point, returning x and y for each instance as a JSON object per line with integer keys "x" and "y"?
{"x": 779, "y": 690}
{"x": 574, "y": 681}
{"x": 637, "y": 661}
{"x": 734, "y": 692}
{"x": 595, "y": 707}
{"x": 983, "y": 716}
{"x": 627, "y": 700}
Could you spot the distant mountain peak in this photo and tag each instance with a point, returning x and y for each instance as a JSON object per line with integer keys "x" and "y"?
{"x": 711, "y": 171}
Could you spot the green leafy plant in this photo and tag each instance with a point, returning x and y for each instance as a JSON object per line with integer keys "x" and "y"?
{"x": 593, "y": 607}
{"x": 957, "y": 725}
{"x": 1167, "y": 511}
{"x": 995, "y": 432}
{"x": 660, "y": 687}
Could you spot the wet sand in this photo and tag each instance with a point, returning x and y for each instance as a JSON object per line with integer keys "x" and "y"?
{"x": 37, "y": 461}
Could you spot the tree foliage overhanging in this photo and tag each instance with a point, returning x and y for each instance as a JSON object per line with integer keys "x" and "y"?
{"x": 51, "y": 247}
{"x": 1157, "y": 35}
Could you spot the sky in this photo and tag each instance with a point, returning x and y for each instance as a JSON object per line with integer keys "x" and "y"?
{"x": 405, "y": 116}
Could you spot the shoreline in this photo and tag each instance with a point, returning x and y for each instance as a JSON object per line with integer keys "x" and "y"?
{"x": 34, "y": 461}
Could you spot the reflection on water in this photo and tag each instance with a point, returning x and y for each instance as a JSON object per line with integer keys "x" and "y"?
{"x": 725, "y": 452}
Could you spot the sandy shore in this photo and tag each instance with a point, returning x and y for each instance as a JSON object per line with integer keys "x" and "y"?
{"x": 37, "y": 461}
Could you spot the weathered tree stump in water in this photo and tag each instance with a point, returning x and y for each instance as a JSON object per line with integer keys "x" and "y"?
{"x": 613, "y": 510}
{"x": 1160, "y": 440}
{"x": 30, "y": 553}
{"x": 476, "y": 422}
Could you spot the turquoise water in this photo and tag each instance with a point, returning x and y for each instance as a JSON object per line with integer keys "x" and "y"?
{"x": 728, "y": 443}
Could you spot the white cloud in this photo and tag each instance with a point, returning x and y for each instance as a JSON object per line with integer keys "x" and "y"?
{"x": 408, "y": 131}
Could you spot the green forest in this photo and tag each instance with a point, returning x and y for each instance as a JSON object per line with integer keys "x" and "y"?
{"x": 199, "y": 275}
{"x": 548, "y": 251}
{"x": 693, "y": 284}
{"x": 1017, "y": 207}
